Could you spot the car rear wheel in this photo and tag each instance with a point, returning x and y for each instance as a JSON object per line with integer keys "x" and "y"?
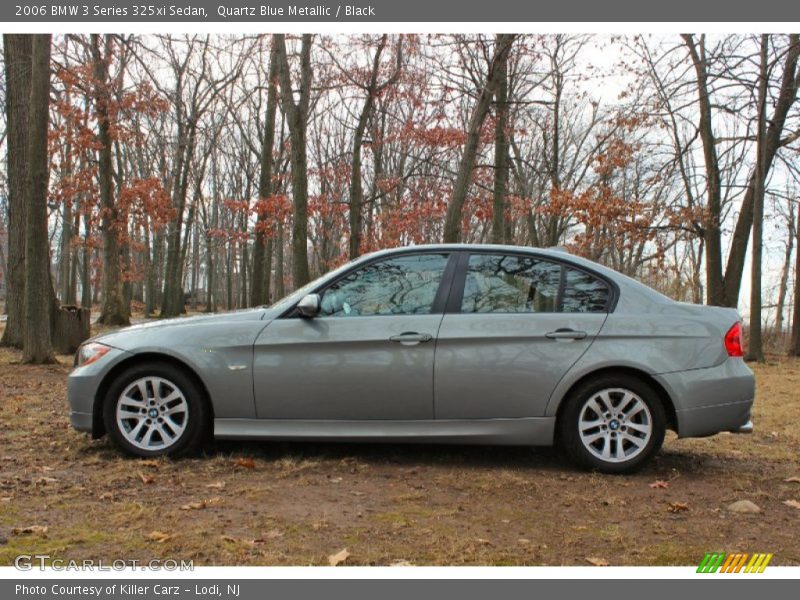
{"x": 613, "y": 424}
{"x": 155, "y": 410}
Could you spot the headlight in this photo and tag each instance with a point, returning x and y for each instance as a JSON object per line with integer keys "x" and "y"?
{"x": 89, "y": 353}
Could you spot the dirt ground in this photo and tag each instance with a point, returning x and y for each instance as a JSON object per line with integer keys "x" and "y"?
{"x": 298, "y": 504}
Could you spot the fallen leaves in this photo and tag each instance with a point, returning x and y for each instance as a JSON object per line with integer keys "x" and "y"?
{"x": 216, "y": 485}
{"x": 159, "y": 536}
{"x": 597, "y": 562}
{"x": 658, "y": 484}
{"x": 150, "y": 463}
{"x": 338, "y": 558}
{"x": 44, "y": 480}
{"x": 244, "y": 463}
{"x": 792, "y": 503}
{"x": 401, "y": 562}
{"x": 744, "y": 506}
{"x": 30, "y": 530}
{"x": 146, "y": 479}
{"x": 200, "y": 504}
{"x": 677, "y": 507}
{"x": 792, "y": 480}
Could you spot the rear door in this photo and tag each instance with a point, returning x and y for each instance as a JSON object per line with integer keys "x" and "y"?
{"x": 514, "y": 326}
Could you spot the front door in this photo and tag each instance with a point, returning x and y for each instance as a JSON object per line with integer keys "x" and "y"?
{"x": 367, "y": 355}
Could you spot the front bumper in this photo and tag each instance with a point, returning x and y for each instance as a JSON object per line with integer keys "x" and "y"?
{"x": 81, "y": 421}
{"x": 83, "y": 385}
{"x": 708, "y": 401}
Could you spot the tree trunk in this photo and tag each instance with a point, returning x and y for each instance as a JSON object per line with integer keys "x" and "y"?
{"x": 297, "y": 119}
{"x": 259, "y": 288}
{"x": 452, "y": 225}
{"x": 37, "y": 347}
{"x": 500, "y": 151}
{"x": 280, "y": 287}
{"x": 794, "y": 345}
{"x": 755, "y": 349}
{"x": 113, "y": 310}
{"x": 783, "y": 286}
{"x": 65, "y": 251}
{"x": 711, "y": 227}
{"x": 86, "y": 267}
{"x": 17, "y": 55}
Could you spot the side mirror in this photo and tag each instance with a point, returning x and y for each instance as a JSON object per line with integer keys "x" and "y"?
{"x": 308, "y": 307}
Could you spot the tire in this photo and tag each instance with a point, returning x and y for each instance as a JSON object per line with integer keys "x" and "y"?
{"x": 597, "y": 437}
{"x": 174, "y": 414}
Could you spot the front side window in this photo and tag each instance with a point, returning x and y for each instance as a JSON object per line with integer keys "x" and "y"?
{"x": 497, "y": 283}
{"x": 405, "y": 285}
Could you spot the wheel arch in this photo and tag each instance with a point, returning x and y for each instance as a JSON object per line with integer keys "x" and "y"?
{"x": 664, "y": 397}
{"x": 98, "y": 426}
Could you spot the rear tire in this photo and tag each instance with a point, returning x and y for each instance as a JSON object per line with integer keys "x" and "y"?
{"x": 155, "y": 409}
{"x": 612, "y": 424}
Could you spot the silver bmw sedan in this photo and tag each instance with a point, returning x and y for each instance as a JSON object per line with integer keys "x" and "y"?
{"x": 436, "y": 344}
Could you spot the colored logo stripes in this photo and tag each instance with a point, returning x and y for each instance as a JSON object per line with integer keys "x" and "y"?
{"x": 734, "y": 563}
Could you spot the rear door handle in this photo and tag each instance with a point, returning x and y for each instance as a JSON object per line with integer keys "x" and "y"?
{"x": 411, "y": 338}
{"x": 565, "y": 334}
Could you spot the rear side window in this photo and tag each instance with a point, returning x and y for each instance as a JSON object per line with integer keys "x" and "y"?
{"x": 510, "y": 284}
{"x": 584, "y": 293}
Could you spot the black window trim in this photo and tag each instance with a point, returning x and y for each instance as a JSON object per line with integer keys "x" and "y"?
{"x": 456, "y": 296}
{"x": 440, "y": 299}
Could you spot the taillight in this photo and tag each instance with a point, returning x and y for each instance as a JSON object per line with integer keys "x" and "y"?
{"x": 733, "y": 340}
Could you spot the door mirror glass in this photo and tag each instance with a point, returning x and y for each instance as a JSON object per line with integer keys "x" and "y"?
{"x": 309, "y": 306}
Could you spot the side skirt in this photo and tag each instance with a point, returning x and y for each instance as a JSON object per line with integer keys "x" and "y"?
{"x": 533, "y": 431}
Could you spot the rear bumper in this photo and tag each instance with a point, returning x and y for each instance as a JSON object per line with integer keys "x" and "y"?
{"x": 708, "y": 401}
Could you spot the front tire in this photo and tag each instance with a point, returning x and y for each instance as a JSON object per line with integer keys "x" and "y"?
{"x": 613, "y": 424}
{"x": 155, "y": 409}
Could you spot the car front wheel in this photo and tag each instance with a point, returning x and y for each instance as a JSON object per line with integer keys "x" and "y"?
{"x": 155, "y": 410}
{"x": 614, "y": 424}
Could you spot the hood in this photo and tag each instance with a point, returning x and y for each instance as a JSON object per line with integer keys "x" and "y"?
{"x": 112, "y": 338}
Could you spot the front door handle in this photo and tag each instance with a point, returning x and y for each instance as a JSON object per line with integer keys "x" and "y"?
{"x": 565, "y": 334}
{"x": 411, "y": 338}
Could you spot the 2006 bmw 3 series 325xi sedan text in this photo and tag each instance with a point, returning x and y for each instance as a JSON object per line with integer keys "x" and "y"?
{"x": 445, "y": 343}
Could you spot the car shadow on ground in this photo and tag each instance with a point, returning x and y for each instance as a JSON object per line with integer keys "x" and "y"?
{"x": 471, "y": 457}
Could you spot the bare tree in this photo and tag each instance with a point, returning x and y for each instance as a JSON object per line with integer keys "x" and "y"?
{"x": 114, "y": 310}
{"x": 297, "y": 114}
{"x": 17, "y": 54}
{"x": 262, "y": 249}
{"x": 501, "y": 144}
{"x": 37, "y": 347}
{"x": 452, "y": 224}
{"x": 783, "y": 284}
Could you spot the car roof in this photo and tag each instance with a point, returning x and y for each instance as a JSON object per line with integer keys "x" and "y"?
{"x": 553, "y": 251}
